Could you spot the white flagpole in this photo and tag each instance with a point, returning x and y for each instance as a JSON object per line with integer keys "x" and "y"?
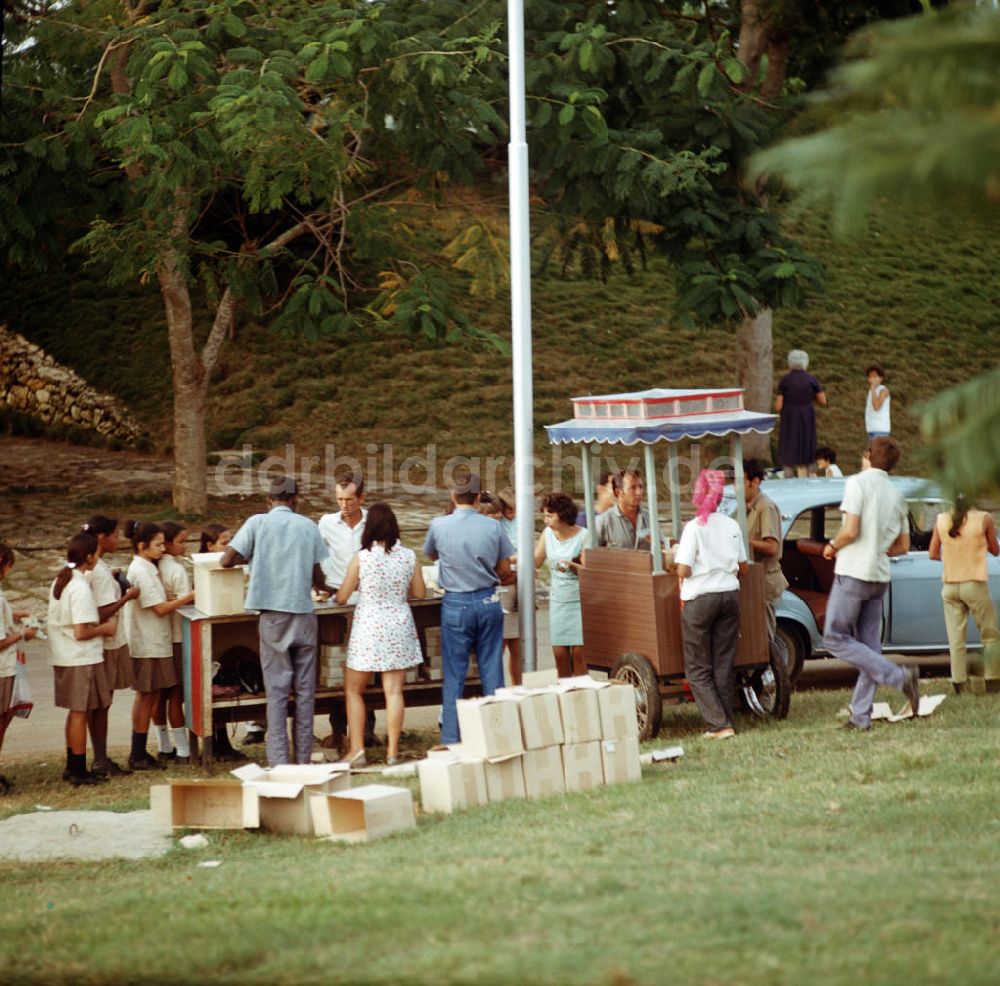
{"x": 520, "y": 298}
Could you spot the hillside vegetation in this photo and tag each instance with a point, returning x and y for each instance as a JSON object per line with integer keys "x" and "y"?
{"x": 917, "y": 293}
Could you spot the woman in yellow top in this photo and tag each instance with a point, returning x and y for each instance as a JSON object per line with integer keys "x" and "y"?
{"x": 960, "y": 540}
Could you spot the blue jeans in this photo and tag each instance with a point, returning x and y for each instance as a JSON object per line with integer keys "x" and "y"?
{"x": 854, "y": 634}
{"x": 469, "y": 620}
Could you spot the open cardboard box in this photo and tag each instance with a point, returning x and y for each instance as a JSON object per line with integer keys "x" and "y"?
{"x": 490, "y": 726}
{"x": 204, "y": 804}
{"x": 504, "y": 778}
{"x": 450, "y": 781}
{"x": 541, "y": 720}
{"x": 364, "y": 813}
{"x": 218, "y": 591}
{"x": 284, "y": 792}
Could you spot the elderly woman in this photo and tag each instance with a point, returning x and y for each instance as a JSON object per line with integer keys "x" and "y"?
{"x": 709, "y": 557}
{"x": 798, "y": 393}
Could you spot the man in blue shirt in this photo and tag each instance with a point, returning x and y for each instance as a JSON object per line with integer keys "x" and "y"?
{"x": 285, "y": 552}
{"x": 474, "y": 554}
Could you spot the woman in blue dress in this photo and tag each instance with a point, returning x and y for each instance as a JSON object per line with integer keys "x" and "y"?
{"x": 561, "y": 545}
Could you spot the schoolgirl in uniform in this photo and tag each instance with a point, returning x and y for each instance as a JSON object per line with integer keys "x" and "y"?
{"x": 215, "y": 537}
{"x": 170, "y": 703}
{"x": 10, "y": 636}
{"x": 75, "y": 638}
{"x": 117, "y": 663}
{"x": 149, "y": 635}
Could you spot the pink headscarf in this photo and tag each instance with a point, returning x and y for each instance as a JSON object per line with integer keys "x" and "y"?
{"x": 707, "y": 493}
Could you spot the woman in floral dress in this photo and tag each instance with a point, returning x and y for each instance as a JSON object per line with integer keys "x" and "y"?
{"x": 383, "y": 634}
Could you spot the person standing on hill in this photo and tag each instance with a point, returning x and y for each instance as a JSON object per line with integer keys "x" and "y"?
{"x": 798, "y": 393}
{"x": 875, "y": 528}
{"x": 285, "y": 553}
{"x": 877, "y": 403}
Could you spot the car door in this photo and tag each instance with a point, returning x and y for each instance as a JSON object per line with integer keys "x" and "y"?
{"x": 915, "y": 615}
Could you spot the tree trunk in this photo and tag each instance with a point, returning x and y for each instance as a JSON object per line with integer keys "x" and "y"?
{"x": 190, "y": 388}
{"x": 755, "y": 370}
{"x": 753, "y": 38}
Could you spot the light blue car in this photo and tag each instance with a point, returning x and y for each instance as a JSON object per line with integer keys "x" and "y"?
{"x": 914, "y": 617}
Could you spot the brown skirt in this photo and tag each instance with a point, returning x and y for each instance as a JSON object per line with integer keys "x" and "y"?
{"x": 150, "y": 674}
{"x": 82, "y": 689}
{"x": 6, "y": 693}
{"x": 118, "y": 667}
{"x": 179, "y": 663}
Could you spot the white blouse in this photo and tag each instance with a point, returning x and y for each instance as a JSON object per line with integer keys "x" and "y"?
{"x": 149, "y": 635}
{"x": 74, "y": 606}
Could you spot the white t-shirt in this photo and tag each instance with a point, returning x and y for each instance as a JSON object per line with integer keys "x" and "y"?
{"x": 75, "y": 605}
{"x": 8, "y": 656}
{"x": 343, "y": 542}
{"x": 176, "y": 581}
{"x": 877, "y": 420}
{"x": 713, "y": 552}
{"x": 106, "y": 591}
{"x": 871, "y": 496}
{"x": 833, "y": 471}
{"x": 149, "y": 635}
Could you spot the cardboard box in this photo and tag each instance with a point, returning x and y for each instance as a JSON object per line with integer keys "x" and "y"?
{"x": 204, "y": 804}
{"x": 284, "y": 792}
{"x": 616, "y": 702}
{"x": 504, "y": 778}
{"x": 581, "y": 716}
{"x": 620, "y": 759}
{"x": 450, "y": 781}
{"x": 582, "y": 766}
{"x": 541, "y": 720}
{"x": 543, "y": 772}
{"x": 218, "y": 591}
{"x": 490, "y": 726}
{"x": 364, "y": 813}
{"x": 539, "y": 679}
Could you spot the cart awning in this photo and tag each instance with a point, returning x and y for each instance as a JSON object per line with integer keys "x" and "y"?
{"x": 577, "y": 431}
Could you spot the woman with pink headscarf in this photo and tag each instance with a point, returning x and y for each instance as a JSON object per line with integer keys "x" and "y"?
{"x": 710, "y": 555}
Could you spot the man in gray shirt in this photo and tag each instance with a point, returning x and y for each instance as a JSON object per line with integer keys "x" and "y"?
{"x": 474, "y": 555}
{"x": 626, "y": 523}
{"x": 285, "y": 552}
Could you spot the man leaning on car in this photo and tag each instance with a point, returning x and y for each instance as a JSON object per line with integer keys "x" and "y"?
{"x": 875, "y": 527}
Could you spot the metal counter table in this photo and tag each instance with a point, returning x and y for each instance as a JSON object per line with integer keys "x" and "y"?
{"x": 207, "y": 638}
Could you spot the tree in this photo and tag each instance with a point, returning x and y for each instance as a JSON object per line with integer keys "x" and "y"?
{"x": 915, "y": 122}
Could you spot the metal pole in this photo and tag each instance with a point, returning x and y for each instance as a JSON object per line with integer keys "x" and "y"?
{"x": 520, "y": 300}
{"x": 588, "y": 492}
{"x": 741, "y": 493}
{"x": 654, "y": 515}
{"x": 675, "y": 498}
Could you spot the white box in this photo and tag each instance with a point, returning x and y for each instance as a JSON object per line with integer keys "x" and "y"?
{"x": 616, "y": 703}
{"x": 490, "y": 727}
{"x": 218, "y": 591}
{"x": 582, "y": 766}
{"x": 541, "y": 720}
{"x": 204, "y": 804}
{"x": 504, "y": 778}
{"x": 620, "y": 759}
{"x": 284, "y": 792}
{"x": 539, "y": 679}
{"x": 450, "y": 781}
{"x": 581, "y": 717}
{"x": 363, "y": 814}
{"x": 543, "y": 772}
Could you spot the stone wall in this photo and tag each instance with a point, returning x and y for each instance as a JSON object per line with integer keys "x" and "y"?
{"x": 33, "y": 383}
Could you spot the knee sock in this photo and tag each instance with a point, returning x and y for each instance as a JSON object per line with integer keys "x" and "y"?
{"x": 163, "y": 736}
{"x": 100, "y": 749}
{"x": 69, "y": 757}
{"x": 181, "y": 741}
{"x": 139, "y": 746}
{"x": 77, "y": 764}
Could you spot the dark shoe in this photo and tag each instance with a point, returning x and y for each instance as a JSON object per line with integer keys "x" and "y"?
{"x": 372, "y": 740}
{"x": 145, "y": 763}
{"x": 911, "y": 686}
{"x": 959, "y": 686}
{"x": 229, "y": 756}
{"x": 167, "y": 757}
{"x": 853, "y": 726}
{"x": 5, "y": 785}
{"x": 88, "y": 779}
{"x": 108, "y": 768}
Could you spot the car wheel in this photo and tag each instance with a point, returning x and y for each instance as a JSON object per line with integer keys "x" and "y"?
{"x": 789, "y": 640}
{"x": 767, "y": 691}
{"x": 635, "y": 670}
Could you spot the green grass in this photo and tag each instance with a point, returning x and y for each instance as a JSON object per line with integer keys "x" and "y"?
{"x": 796, "y": 853}
{"x": 917, "y": 293}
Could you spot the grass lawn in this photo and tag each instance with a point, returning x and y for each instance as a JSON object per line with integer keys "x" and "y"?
{"x": 795, "y": 853}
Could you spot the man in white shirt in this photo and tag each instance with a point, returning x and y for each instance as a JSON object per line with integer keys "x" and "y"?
{"x": 875, "y": 528}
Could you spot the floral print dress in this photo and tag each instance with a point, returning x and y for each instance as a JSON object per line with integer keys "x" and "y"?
{"x": 383, "y": 634}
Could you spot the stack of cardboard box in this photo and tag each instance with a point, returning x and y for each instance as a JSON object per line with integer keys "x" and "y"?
{"x": 332, "y": 660}
{"x": 533, "y": 742}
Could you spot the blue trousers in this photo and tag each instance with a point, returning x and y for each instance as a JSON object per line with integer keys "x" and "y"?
{"x": 288, "y": 664}
{"x": 469, "y": 620}
{"x": 854, "y": 634}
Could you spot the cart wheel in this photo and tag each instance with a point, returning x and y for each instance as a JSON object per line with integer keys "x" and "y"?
{"x": 767, "y": 691}
{"x": 790, "y": 640}
{"x": 636, "y": 671}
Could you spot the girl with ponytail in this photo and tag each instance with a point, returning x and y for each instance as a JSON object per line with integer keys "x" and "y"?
{"x": 75, "y": 637}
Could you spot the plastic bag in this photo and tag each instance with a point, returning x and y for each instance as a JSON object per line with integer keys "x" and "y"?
{"x": 20, "y": 700}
